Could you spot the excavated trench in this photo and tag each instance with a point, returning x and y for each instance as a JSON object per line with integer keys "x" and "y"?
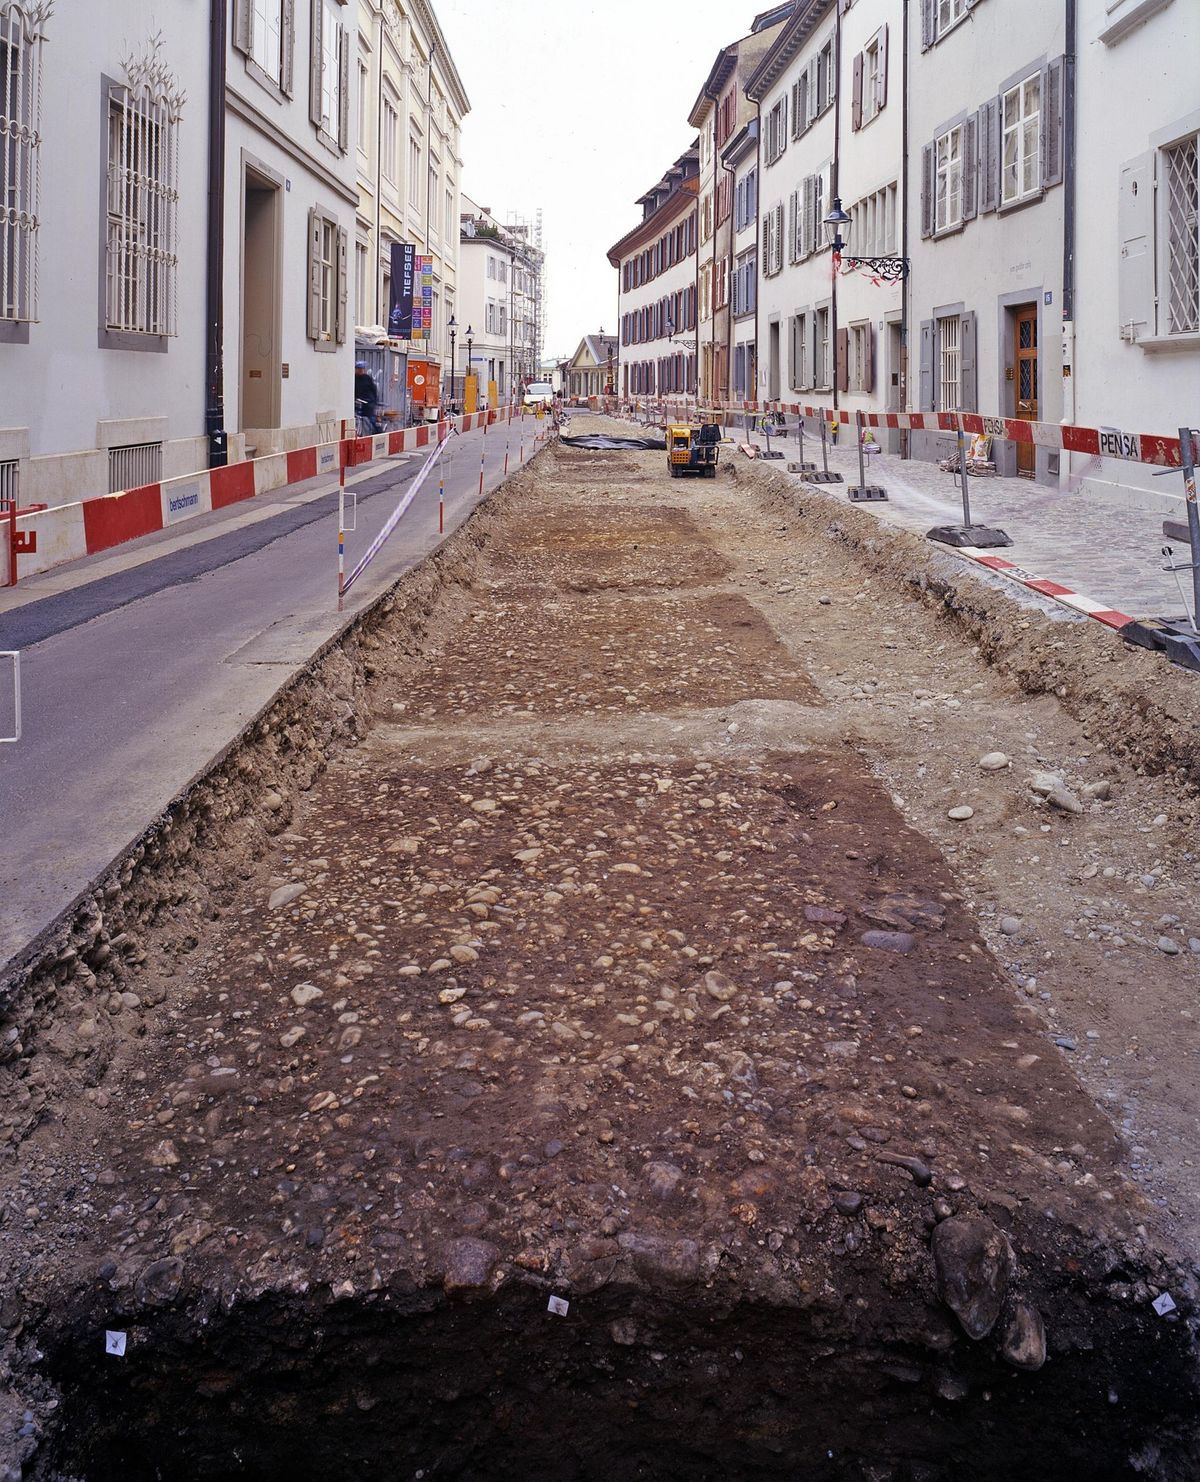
{"x": 585, "y": 1072}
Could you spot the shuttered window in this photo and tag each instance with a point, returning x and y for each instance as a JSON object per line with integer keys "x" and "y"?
{"x": 1021, "y": 141}
{"x": 328, "y": 287}
{"x": 947, "y": 394}
{"x": 1181, "y": 215}
{"x": 21, "y": 36}
{"x": 948, "y": 180}
{"x": 329, "y": 76}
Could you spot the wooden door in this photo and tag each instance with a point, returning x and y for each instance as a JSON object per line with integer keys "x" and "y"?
{"x": 1025, "y": 376}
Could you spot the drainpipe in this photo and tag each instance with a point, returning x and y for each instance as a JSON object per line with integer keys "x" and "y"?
{"x": 904, "y": 288}
{"x": 214, "y": 371}
{"x": 1070, "y": 177}
{"x": 729, "y": 286}
{"x": 836, "y": 190}
{"x": 757, "y": 246}
{"x": 380, "y": 318}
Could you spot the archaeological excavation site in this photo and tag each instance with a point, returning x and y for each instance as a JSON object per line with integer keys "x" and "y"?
{"x": 614, "y": 1015}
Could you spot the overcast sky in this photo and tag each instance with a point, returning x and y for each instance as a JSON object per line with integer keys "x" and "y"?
{"x": 579, "y": 108}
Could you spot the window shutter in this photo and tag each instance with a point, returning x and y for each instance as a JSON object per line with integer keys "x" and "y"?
{"x": 868, "y": 374}
{"x": 1052, "y": 151}
{"x": 314, "y": 274}
{"x": 792, "y": 227}
{"x": 968, "y": 390}
{"x": 343, "y": 290}
{"x": 970, "y": 167}
{"x": 809, "y": 187}
{"x": 814, "y": 101}
{"x": 779, "y": 237}
{"x": 1135, "y": 230}
{"x": 241, "y": 25}
{"x": 927, "y": 190}
{"x": 856, "y": 103}
{"x": 927, "y": 27}
{"x": 841, "y": 353}
{"x": 883, "y": 67}
{"x": 766, "y": 243}
{"x": 989, "y": 155}
{"x": 314, "y": 62}
{"x": 925, "y": 389}
{"x": 783, "y": 119}
{"x": 287, "y": 43}
{"x": 343, "y": 123}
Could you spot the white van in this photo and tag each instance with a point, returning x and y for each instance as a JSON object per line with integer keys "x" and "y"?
{"x": 538, "y": 393}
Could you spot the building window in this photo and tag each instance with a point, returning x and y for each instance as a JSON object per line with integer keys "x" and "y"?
{"x": 821, "y": 366}
{"x": 948, "y": 363}
{"x": 414, "y": 171}
{"x": 391, "y": 140}
{"x": 1180, "y": 207}
{"x": 361, "y": 258}
{"x": 870, "y": 80}
{"x": 873, "y": 223}
{"x": 20, "y": 156}
{"x": 1022, "y": 144}
{"x": 431, "y": 188}
{"x": 143, "y": 199}
{"x": 329, "y": 82}
{"x": 940, "y": 16}
{"x": 327, "y": 309}
{"x": 363, "y": 113}
{"x": 860, "y": 371}
{"x": 948, "y": 187}
{"x": 266, "y": 37}
{"x": 775, "y": 134}
{"x": 449, "y": 230}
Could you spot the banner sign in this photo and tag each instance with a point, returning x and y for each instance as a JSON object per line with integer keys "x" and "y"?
{"x": 422, "y": 305}
{"x": 400, "y": 310}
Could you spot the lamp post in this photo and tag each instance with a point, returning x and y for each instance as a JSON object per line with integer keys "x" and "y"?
{"x": 470, "y": 341}
{"x": 453, "y": 328}
{"x": 890, "y": 269}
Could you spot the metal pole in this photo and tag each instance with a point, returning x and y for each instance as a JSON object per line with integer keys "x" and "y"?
{"x": 1189, "y": 450}
{"x": 824, "y": 448}
{"x": 962, "y": 471}
{"x": 862, "y": 474}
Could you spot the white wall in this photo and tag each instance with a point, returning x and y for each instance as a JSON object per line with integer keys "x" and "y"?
{"x": 56, "y": 388}
{"x": 1130, "y": 383}
{"x": 999, "y": 259}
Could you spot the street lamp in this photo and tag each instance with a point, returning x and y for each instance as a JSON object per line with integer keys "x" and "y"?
{"x": 892, "y": 269}
{"x": 470, "y": 341}
{"x": 453, "y": 328}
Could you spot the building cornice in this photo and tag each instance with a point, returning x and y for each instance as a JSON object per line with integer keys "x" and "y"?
{"x": 742, "y": 143}
{"x": 448, "y": 69}
{"x": 719, "y": 74}
{"x": 787, "y": 46}
{"x": 683, "y": 200}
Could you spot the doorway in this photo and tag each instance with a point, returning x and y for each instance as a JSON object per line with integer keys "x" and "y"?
{"x": 773, "y": 360}
{"x": 1025, "y": 381}
{"x": 261, "y": 362}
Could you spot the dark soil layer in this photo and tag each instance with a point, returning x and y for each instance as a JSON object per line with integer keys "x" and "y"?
{"x": 415, "y": 1386}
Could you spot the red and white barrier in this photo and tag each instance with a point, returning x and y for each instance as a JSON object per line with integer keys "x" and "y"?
{"x": 68, "y": 531}
{"x": 1101, "y": 442}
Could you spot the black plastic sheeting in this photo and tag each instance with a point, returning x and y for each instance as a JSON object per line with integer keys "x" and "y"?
{"x": 602, "y": 441}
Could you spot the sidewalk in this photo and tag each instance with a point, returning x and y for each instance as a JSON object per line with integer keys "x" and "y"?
{"x": 1087, "y": 543}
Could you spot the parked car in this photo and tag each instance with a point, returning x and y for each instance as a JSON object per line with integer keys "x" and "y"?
{"x": 538, "y": 393}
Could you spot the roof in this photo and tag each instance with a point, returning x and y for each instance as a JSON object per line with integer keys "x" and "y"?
{"x": 771, "y": 17}
{"x": 787, "y": 45}
{"x": 647, "y": 229}
{"x": 742, "y": 143}
{"x": 718, "y": 75}
{"x": 597, "y": 346}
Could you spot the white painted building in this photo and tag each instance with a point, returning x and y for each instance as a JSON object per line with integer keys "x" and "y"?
{"x": 869, "y": 361}
{"x": 410, "y": 104}
{"x": 102, "y": 273}
{"x": 656, "y": 264}
{"x": 1136, "y": 323}
{"x": 741, "y": 156}
{"x": 499, "y": 276}
{"x": 594, "y": 368}
{"x": 795, "y": 87}
{"x": 986, "y": 217}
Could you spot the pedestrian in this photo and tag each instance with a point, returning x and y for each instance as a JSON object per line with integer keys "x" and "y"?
{"x": 366, "y": 395}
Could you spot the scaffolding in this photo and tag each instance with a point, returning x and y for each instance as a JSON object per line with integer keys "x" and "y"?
{"x": 527, "y": 297}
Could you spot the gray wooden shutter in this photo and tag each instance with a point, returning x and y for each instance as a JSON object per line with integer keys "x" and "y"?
{"x": 792, "y": 213}
{"x": 241, "y": 25}
{"x": 927, "y": 190}
{"x": 1135, "y": 230}
{"x": 810, "y": 210}
{"x": 856, "y": 97}
{"x": 343, "y": 286}
{"x": 868, "y": 358}
{"x": 970, "y": 167}
{"x": 925, "y": 378}
{"x": 314, "y": 273}
{"x": 343, "y": 122}
{"x": 1052, "y": 151}
{"x": 287, "y": 42}
{"x": 778, "y": 234}
{"x": 989, "y": 155}
{"x": 314, "y": 62}
{"x": 927, "y": 28}
{"x": 841, "y": 355}
{"x": 883, "y": 67}
{"x": 968, "y": 380}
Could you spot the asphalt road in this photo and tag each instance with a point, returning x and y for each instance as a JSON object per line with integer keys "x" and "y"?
{"x": 133, "y": 681}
